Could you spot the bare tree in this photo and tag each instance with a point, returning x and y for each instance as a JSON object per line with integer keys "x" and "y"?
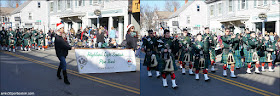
{"x": 12, "y": 3}
{"x": 170, "y": 5}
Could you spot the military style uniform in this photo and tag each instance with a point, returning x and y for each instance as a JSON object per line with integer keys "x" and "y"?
{"x": 151, "y": 57}
{"x": 237, "y": 57}
{"x": 3, "y": 39}
{"x": 33, "y": 38}
{"x": 209, "y": 50}
{"x": 27, "y": 41}
{"x": 186, "y": 51}
{"x": 228, "y": 42}
{"x": 19, "y": 39}
{"x": 41, "y": 40}
{"x": 245, "y": 47}
{"x": 252, "y": 48}
{"x": 266, "y": 51}
{"x": 201, "y": 57}
{"x": 12, "y": 40}
{"x": 166, "y": 61}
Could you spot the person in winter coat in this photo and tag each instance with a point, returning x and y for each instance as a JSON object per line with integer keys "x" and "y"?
{"x": 61, "y": 49}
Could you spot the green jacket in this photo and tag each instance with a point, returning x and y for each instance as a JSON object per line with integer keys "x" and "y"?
{"x": 227, "y": 41}
{"x": 236, "y": 43}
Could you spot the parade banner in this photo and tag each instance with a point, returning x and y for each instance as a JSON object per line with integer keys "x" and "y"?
{"x": 105, "y": 60}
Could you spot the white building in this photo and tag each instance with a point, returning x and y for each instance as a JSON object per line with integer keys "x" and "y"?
{"x": 31, "y": 14}
{"x": 160, "y": 20}
{"x": 5, "y": 17}
{"x": 78, "y": 14}
{"x": 240, "y": 14}
{"x": 192, "y": 14}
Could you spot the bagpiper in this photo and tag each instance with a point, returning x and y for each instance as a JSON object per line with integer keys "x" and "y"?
{"x": 245, "y": 45}
{"x": 33, "y": 38}
{"x": 27, "y": 42}
{"x": 252, "y": 56}
{"x": 186, "y": 54}
{"x": 166, "y": 61}
{"x": 209, "y": 50}
{"x": 237, "y": 42}
{"x": 266, "y": 51}
{"x": 12, "y": 40}
{"x": 201, "y": 52}
{"x": 18, "y": 38}
{"x": 41, "y": 38}
{"x": 3, "y": 39}
{"x": 227, "y": 56}
{"x": 151, "y": 57}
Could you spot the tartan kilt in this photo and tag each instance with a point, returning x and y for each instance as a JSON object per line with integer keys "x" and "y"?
{"x": 224, "y": 58}
{"x": 213, "y": 54}
{"x": 263, "y": 59}
{"x": 237, "y": 58}
{"x": 245, "y": 52}
{"x": 248, "y": 57}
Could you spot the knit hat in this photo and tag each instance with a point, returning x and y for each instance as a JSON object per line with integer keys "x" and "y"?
{"x": 130, "y": 25}
{"x": 59, "y": 25}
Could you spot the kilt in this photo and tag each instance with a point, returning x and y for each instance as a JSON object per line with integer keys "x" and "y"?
{"x": 237, "y": 58}
{"x": 213, "y": 55}
{"x": 248, "y": 57}
{"x": 25, "y": 42}
{"x": 245, "y": 53}
{"x": 207, "y": 62}
{"x": 224, "y": 58}
{"x": 183, "y": 54}
{"x": 264, "y": 58}
{"x": 3, "y": 41}
{"x": 147, "y": 61}
{"x": 161, "y": 64}
{"x": 14, "y": 42}
{"x": 196, "y": 62}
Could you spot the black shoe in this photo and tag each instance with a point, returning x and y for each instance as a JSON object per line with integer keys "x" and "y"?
{"x": 58, "y": 73}
{"x": 65, "y": 78}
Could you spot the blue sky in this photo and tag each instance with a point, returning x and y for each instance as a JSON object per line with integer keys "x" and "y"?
{"x": 159, "y": 3}
{"x": 4, "y": 3}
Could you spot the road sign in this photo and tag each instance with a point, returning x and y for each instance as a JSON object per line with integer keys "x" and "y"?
{"x": 262, "y": 16}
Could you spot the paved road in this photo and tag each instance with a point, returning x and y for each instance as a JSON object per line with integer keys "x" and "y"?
{"x": 245, "y": 85}
{"x": 35, "y": 71}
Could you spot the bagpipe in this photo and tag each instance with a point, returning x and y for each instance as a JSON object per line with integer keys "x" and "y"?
{"x": 166, "y": 56}
{"x": 230, "y": 58}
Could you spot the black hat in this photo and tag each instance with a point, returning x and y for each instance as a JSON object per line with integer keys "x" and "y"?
{"x": 185, "y": 29}
{"x": 165, "y": 31}
{"x": 150, "y": 31}
{"x": 252, "y": 32}
{"x": 206, "y": 28}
